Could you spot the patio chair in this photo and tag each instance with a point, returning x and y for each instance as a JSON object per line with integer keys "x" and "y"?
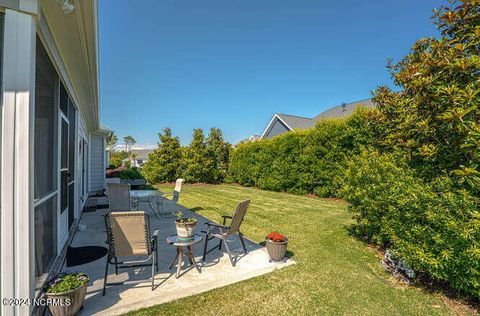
{"x": 128, "y": 235}
{"x": 175, "y": 197}
{"x": 224, "y": 231}
{"x": 119, "y": 196}
{"x": 176, "y": 192}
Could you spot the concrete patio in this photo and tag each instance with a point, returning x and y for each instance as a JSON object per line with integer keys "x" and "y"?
{"x": 131, "y": 288}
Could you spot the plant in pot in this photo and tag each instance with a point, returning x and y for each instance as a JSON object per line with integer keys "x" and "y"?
{"x": 185, "y": 226}
{"x": 70, "y": 289}
{"x": 276, "y": 246}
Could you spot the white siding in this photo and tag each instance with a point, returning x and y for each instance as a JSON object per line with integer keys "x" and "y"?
{"x": 97, "y": 162}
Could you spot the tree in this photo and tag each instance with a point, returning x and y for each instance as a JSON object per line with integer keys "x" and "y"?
{"x": 112, "y": 141}
{"x": 164, "y": 163}
{"x": 217, "y": 155}
{"x": 116, "y": 158}
{"x": 195, "y": 165}
{"x": 129, "y": 142}
{"x": 435, "y": 118}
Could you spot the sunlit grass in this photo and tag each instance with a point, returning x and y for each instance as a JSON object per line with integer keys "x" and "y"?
{"x": 334, "y": 274}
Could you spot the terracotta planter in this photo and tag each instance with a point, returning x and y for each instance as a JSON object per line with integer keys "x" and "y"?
{"x": 185, "y": 230}
{"x": 277, "y": 250}
{"x": 71, "y": 301}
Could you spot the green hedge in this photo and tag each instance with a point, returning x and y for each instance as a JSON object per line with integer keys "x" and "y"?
{"x": 300, "y": 161}
{"x": 433, "y": 227}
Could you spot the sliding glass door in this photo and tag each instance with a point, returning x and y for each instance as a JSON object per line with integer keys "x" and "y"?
{"x": 54, "y": 163}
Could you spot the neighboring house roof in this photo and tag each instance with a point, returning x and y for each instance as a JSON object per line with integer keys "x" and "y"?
{"x": 142, "y": 154}
{"x": 344, "y": 110}
{"x": 254, "y": 137}
{"x": 291, "y": 122}
{"x": 296, "y": 122}
{"x": 105, "y": 130}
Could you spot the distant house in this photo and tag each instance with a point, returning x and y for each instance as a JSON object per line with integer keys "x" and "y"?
{"x": 254, "y": 138}
{"x": 282, "y": 123}
{"x": 139, "y": 157}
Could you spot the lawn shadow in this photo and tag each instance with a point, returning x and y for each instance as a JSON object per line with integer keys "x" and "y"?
{"x": 196, "y": 209}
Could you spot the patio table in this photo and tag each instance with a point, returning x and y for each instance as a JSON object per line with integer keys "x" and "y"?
{"x": 150, "y": 197}
{"x": 181, "y": 244}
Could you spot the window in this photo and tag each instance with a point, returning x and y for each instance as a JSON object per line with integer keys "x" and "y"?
{"x": 45, "y": 163}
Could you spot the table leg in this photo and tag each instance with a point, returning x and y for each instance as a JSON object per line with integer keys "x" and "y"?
{"x": 192, "y": 258}
{"x": 180, "y": 261}
{"x": 189, "y": 255}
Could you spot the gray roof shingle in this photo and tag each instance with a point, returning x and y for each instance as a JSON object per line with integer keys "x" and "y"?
{"x": 297, "y": 122}
{"x": 340, "y": 111}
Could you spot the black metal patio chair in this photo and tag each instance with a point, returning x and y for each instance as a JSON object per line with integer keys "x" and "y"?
{"x": 222, "y": 232}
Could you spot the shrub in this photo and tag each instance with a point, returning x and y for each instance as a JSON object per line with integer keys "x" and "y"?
{"x": 130, "y": 174}
{"x": 195, "y": 165}
{"x": 433, "y": 227}
{"x": 116, "y": 158}
{"x": 164, "y": 163}
{"x": 435, "y": 118}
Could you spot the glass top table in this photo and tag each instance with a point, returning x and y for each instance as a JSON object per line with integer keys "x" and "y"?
{"x": 150, "y": 197}
{"x": 181, "y": 245}
{"x": 145, "y": 194}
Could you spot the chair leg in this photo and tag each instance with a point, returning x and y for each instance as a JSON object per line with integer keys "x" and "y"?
{"x": 116, "y": 266}
{"x": 154, "y": 263}
{"x": 156, "y": 256}
{"x": 106, "y": 274}
{"x": 229, "y": 253}
{"x": 243, "y": 243}
{"x": 205, "y": 247}
{"x": 220, "y": 244}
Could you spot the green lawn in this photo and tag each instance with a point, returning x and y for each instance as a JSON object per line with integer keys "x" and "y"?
{"x": 334, "y": 274}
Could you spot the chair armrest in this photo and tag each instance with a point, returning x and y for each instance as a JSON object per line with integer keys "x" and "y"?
{"x": 154, "y": 240}
{"x": 155, "y": 235}
{"x": 225, "y": 217}
{"x": 215, "y": 224}
{"x": 209, "y": 224}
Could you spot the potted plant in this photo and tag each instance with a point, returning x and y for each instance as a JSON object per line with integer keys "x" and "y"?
{"x": 185, "y": 226}
{"x": 276, "y": 246}
{"x": 70, "y": 289}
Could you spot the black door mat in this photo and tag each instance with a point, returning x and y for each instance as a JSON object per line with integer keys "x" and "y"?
{"x": 82, "y": 255}
{"x": 90, "y": 206}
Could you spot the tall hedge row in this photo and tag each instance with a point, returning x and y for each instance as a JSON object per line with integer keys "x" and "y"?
{"x": 300, "y": 161}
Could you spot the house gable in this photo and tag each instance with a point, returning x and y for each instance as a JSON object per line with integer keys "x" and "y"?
{"x": 275, "y": 128}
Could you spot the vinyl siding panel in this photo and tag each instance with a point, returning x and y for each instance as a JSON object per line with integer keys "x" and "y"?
{"x": 97, "y": 168}
{"x": 277, "y": 128}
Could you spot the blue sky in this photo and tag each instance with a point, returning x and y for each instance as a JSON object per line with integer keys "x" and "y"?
{"x": 232, "y": 64}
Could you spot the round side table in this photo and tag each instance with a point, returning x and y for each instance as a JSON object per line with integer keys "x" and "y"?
{"x": 181, "y": 246}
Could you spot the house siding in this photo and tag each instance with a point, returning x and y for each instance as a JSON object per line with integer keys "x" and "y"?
{"x": 97, "y": 168}
{"x": 277, "y": 128}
